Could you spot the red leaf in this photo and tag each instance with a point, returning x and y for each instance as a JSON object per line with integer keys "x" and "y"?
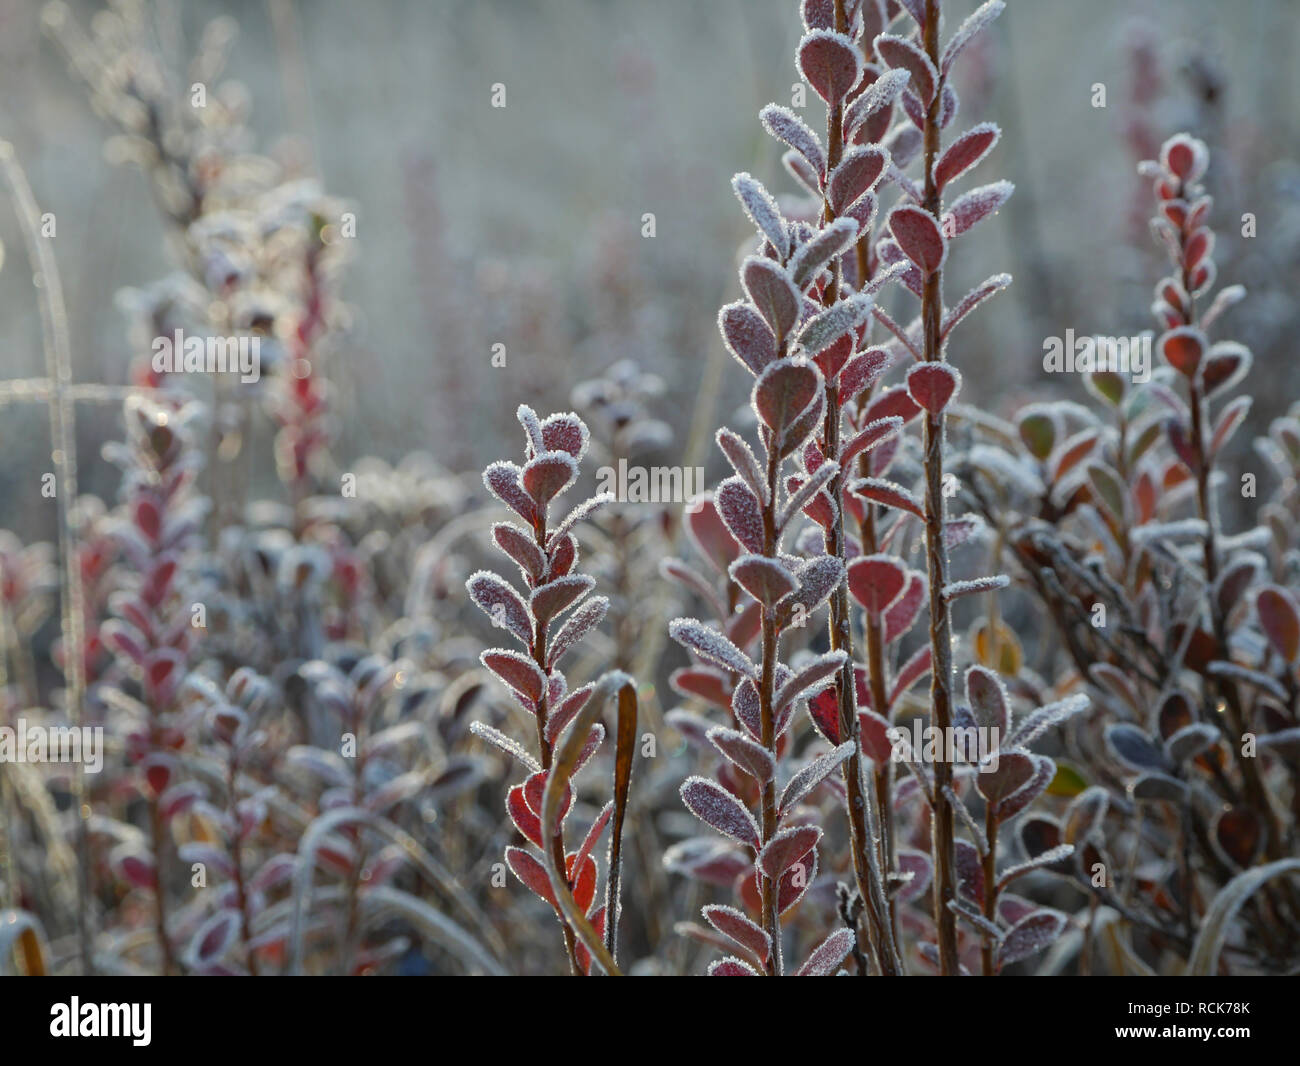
{"x": 888, "y": 494}
{"x": 525, "y": 819}
{"x": 902, "y": 614}
{"x": 858, "y": 173}
{"x": 747, "y": 336}
{"x": 546, "y": 476}
{"x": 965, "y": 152}
{"x": 531, "y": 872}
{"x": 827, "y": 956}
{"x": 742, "y": 513}
{"x": 716, "y": 807}
{"x": 783, "y": 392}
{"x": 786, "y": 848}
{"x": 830, "y": 64}
{"x": 731, "y": 968}
{"x": 933, "y": 385}
{"x": 520, "y": 673}
{"x": 906, "y": 55}
{"x": 733, "y": 924}
{"x": 824, "y": 708}
{"x": 919, "y": 236}
{"x": 1280, "y": 621}
{"x": 875, "y": 582}
{"x": 706, "y": 528}
{"x": 1183, "y": 348}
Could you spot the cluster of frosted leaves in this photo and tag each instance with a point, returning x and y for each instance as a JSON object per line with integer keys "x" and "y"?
{"x": 550, "y": 617}
{"x": 994, "y": 755}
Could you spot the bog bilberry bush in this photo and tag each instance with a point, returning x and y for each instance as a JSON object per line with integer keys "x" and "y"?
{"x": 962, "y": 691}
{"x": 557, "y": 615}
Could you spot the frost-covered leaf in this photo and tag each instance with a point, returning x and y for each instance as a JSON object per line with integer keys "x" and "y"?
{"x": 1134, "y": 748}
{"x": 562, "y": 713}
{"x": 521, "y": 547}
{"x": 772, "y": 292}
{"x": 742, "y": 513}
{"x": 911, "y": 671}
{"x": 1183, "y": 349}
{"x": 828, "y": 326}
{"x": 814, "y": 255}
{"x": 580, "y": 513}
{"x": 975, "y": 586}
{"x": 1155, "y": 786}
{"x": 747, "y": 336}
{"x": 807, "y": 677}
{"x": 919, "y": 236}
{"x": 1280, "y": 620}
{"x": 1229, "y": 421}
{"x": 711, "y": 646}
{"x": 785, "y": 125}
{"x": 213, "y": 938}
{"x": 903, "y": 612}
{"x": 735, "y": 925}
{"x": 517, "y": 671}
{"x": 783, "y": 392}
{"x": 546, "y": 476}
{"x": 975, "y": 206}
{"x": 827, "y": 956}
{"x": 555, "y": 597}
{"x": 817, "y": 579}
{"x": 966, "y": 32}
{"x": 499, "y": 601}
{"x": 744, "y": 462}
{"x": 1031, "y": 935}
{"x": 812, "y": 775}
{"x": 933, "y": 385}
{"x": 705, "y": 527}
{"x": 767, "y": 580}
{"x": 800, "y": 498}
{"x": 565, "y": 432}
{"x": 582, "y": 621}
{"x": 746, "y": 753}
{"x": 904, "y": 54}
{"x": 880, "y": 95}
{"x": 1015, "y": 769}
{"x": 965, "y": 152}
{"x": 1039, "y": 721}
{"x": 716, "y": 807}
{"x": 988, "y": 700}
{"x": 971, "y": 300}
{"x": 530, "y": 872}
{"x": 862, "y": 371}
{"x": 786, "y": 848}
{"x": 731, "y": 967}
{"x": 888, "y": 494}
{"x": 503, "y": 481}
{"x": 1191, "y": 741}
{"x": 830, "y": 63}
{"x": 875, "y": 582}
{"x": 857, "y": 174}
{"x": 871, "y": 435}
{"x": 763, "y": 212}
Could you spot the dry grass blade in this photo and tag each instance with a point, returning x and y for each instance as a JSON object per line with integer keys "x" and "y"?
{"x": 562, "y": 768}
{"x": 624, "y": 754}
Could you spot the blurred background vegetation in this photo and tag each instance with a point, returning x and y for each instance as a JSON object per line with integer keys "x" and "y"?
{"x": 523, "y": 225}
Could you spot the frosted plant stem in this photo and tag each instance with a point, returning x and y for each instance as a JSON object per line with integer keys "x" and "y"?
{"x": 942, "y": 832}
{"x": 862, "y": 826}
{"x": 862, "y": 837}
{"x": 544, "y": 746}
{"x": 63, "y": 435}
{"x": 987, "y": 948}
{"x": 767, "y": 719}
